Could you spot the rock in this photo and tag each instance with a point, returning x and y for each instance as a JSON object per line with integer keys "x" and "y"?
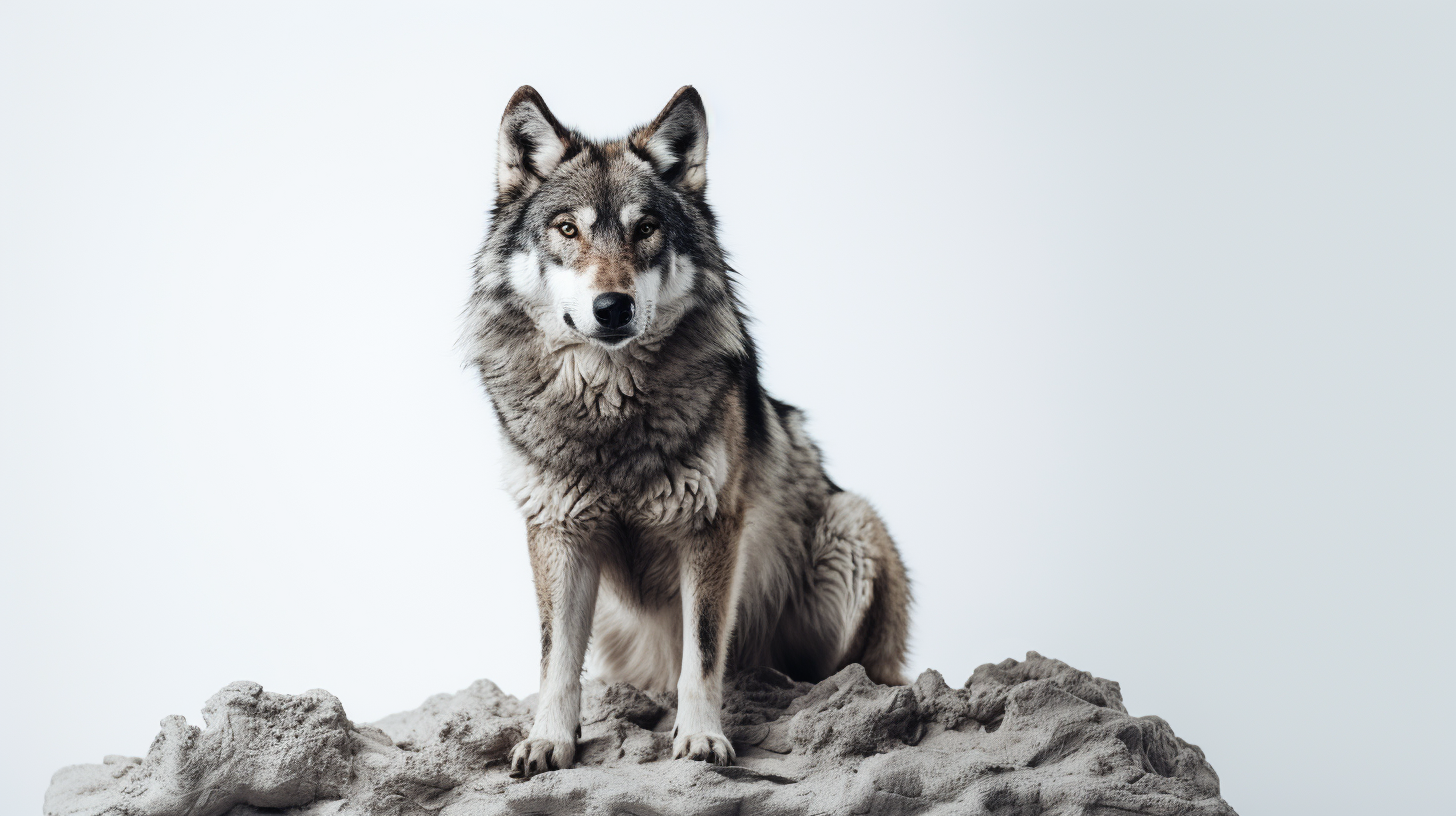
{"x": 1023, "y": 737}
{"x": 259, "y": 748}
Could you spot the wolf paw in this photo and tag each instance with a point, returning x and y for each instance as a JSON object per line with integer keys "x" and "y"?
{"x": 534, "y": 755}
{"x": 714, "y": 748}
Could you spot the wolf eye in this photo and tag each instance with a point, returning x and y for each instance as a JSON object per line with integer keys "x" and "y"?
{"x": 645, "y": 229}
{"x": 568, "y": 229}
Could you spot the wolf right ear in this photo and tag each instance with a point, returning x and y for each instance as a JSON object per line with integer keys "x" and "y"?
{"x": 676, "y": 143}
{"x": 531, "y": 144}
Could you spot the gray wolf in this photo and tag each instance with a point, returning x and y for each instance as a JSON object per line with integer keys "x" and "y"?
{"x": 673, "y": 509}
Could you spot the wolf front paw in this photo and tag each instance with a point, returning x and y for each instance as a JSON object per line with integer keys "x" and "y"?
{"x": 534, "y": 755}
{"x": 714, "y": 748}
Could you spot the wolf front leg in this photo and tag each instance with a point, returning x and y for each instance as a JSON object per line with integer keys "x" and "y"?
{"x": 566, "y": 574}
{"x": 710, "y": 600}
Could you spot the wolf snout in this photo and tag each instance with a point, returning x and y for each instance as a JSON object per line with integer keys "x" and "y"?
{"x": 613, "y": 310}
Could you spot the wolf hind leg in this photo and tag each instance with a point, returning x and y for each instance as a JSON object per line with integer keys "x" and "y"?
{"x": 863, "y": 593}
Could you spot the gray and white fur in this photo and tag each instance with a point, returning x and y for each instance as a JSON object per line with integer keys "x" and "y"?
{"x": 672, "y": 507}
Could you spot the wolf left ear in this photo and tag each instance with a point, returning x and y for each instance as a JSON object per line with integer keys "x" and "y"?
{"x": 530, "y": 146}
{"x": 676, "y": 143}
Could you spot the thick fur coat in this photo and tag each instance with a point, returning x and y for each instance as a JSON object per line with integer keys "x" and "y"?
{"x": 677, "y": 516}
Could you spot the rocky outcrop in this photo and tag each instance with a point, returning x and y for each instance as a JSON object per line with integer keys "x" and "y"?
{"x": 1023, "y": 737}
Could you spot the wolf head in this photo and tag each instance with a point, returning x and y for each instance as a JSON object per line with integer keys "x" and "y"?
{"x": 603, "y": 243}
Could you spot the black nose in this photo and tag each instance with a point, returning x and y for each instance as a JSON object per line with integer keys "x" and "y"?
{"x": 613, "y": 310}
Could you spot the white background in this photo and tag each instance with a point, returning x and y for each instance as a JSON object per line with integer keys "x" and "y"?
{"x": 1135, "y": 321}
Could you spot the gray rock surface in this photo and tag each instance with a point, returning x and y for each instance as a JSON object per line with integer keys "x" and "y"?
{"x": 1023, "y": 737}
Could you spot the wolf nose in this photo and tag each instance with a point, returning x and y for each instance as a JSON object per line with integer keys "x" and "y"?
{"x": 613, "y": 310}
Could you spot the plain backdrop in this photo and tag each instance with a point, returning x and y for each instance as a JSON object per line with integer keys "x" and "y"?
{"x": 1135, "y": 320}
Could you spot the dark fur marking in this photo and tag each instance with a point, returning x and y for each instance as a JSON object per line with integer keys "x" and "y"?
{"x": 755, "y": 417}
{"x": 708, "y": 637}
{"x": 641, "y": 153}
{"x": 524, "y": 146}
{"x": 679, "y": 148}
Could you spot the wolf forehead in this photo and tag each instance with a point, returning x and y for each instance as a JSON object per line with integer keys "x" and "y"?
{"x": 607, "y": 187}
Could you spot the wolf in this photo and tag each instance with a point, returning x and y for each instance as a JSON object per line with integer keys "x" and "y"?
{"x": 673, "y": 508}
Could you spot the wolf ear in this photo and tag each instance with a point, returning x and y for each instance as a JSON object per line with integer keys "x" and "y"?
{"x": 531, "y": 144}
{"x": 676, "y": 143}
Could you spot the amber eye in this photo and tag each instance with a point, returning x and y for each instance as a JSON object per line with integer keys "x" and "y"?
{"x": 645, "y": 229}
{"x": 568, "y": 229}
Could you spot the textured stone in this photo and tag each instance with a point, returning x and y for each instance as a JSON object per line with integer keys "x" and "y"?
{"x": 1023, "y": 737}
